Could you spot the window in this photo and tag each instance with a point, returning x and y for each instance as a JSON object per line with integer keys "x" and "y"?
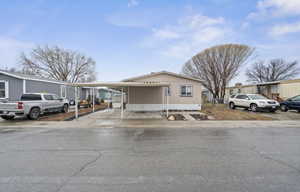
{"x": 63, "y": 91}
{"x": 257, "y": 97}
{"x": 31, "y": 97}
{"x": 186, "y": 91}
{"x": 231, "y": 91}
{"x": 3, "y": 89}
{"x": 239, "y": 90}
{"x": 297, "y": 98}
{"x": 55, "y": 97}
{"x": 242, "y": 97}
{"x": 48, "y": 97}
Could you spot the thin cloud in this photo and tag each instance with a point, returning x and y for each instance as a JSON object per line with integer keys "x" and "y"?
{"x": 188, "y": 36}
{"x": 165, "y": 34}
{"x": 133, "y": 3}
{"x": 284, "y": 29}
{"x": 275, "y": 8}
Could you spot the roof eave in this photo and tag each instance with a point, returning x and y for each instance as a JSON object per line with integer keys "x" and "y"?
{"x": 31, "y": 79}
{"x": 162, "y": 72}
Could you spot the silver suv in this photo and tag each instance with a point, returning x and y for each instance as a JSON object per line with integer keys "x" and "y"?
{"x": 254, "y": 102}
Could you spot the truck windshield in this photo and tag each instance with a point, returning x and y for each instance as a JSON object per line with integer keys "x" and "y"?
{"x": 31, "y": 97}
{"x": 256, "y": 97}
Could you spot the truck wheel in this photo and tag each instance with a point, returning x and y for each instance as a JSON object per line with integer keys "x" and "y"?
{"x": 8, "y": 117}
{"x": 284, "y": 108}
{"x": 231, "y": 105}
{"x": 65, "y": 108}
{"x": 253, "y": 107}
{"x": 34, "y": 113}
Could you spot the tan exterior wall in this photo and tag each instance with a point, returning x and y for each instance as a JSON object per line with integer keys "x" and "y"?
{"x": 249, "y": 90}
{"x": 246, "y": 89}
{"x": 288, "y": 90}
{"x": 156, "y": 97}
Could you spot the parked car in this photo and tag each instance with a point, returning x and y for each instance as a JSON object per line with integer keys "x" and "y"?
{"x": 254, "y": 102}
{"x": 291, "y": 104}
{"x": 33, "y": 105}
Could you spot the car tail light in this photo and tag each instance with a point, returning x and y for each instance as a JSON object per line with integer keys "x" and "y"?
{"x": 20, "y": 105}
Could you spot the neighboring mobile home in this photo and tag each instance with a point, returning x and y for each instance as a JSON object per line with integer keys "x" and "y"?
{"x": 13, "y": 85}
{"x": 279, "y": 90}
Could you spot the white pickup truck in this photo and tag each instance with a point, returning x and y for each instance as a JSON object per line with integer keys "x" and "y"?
{"x": 32, "y": 105}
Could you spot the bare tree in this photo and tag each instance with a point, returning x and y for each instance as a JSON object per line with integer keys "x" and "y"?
{"x": 217, "y": 66}
{"x": 60, "y": 64}
{"x": 274, "y": 70}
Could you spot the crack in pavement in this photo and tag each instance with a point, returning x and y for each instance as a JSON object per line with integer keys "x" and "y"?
{"x": 79, "y": 170}
{"x": 275, "y": 160}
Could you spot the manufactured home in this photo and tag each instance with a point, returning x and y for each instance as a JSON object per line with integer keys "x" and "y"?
{"x": 13, "y": 85}
{"x": 278, "y": 90}
{"x": 184, "y": 93}
{"x": 159, "y": 91}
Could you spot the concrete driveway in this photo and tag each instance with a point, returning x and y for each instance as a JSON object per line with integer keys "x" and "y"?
{"x": 279, "y": 115}
{"x": 150, "y": 159}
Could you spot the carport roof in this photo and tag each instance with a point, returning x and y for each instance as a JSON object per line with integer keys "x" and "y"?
{"x": 122, "y": 84}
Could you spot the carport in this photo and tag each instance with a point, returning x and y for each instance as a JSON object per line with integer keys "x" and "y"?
{"x": 144, "y": 92}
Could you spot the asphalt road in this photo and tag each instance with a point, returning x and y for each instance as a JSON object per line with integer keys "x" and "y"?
{"x": 206, "y": 159}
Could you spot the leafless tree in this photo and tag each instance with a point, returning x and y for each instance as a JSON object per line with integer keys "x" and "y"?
{"x": 217, "y": 66}
{"x": 58, "y": 63}
{"x": 274, "y": 70}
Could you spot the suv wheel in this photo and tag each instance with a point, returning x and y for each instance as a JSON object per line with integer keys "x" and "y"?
{"x": 65, "y": 108}
{"x": 34, "y": 113}
{"x": 231, "y": 105}
{"x": 253, "y": 107}
{"x": 284, "y": 108}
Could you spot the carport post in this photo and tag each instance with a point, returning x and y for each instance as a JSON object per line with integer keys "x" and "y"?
{"x": 163, "y": 100}
{"x": 168, "y": 102}
{"x": 76, "y": 102}
{"x": 122, "y": 105}
{"x": 93, "y": 100}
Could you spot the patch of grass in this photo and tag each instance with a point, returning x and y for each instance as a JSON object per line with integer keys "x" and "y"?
{"x": 222, "y": 112}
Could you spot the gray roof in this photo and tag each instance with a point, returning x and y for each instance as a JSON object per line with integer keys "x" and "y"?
{"x": 30, "y": 77}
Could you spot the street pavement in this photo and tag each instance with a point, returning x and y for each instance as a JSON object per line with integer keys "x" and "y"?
{"x": 211, "y": 159}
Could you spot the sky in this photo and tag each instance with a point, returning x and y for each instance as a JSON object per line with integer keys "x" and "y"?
{"x": 127, "y": 38}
